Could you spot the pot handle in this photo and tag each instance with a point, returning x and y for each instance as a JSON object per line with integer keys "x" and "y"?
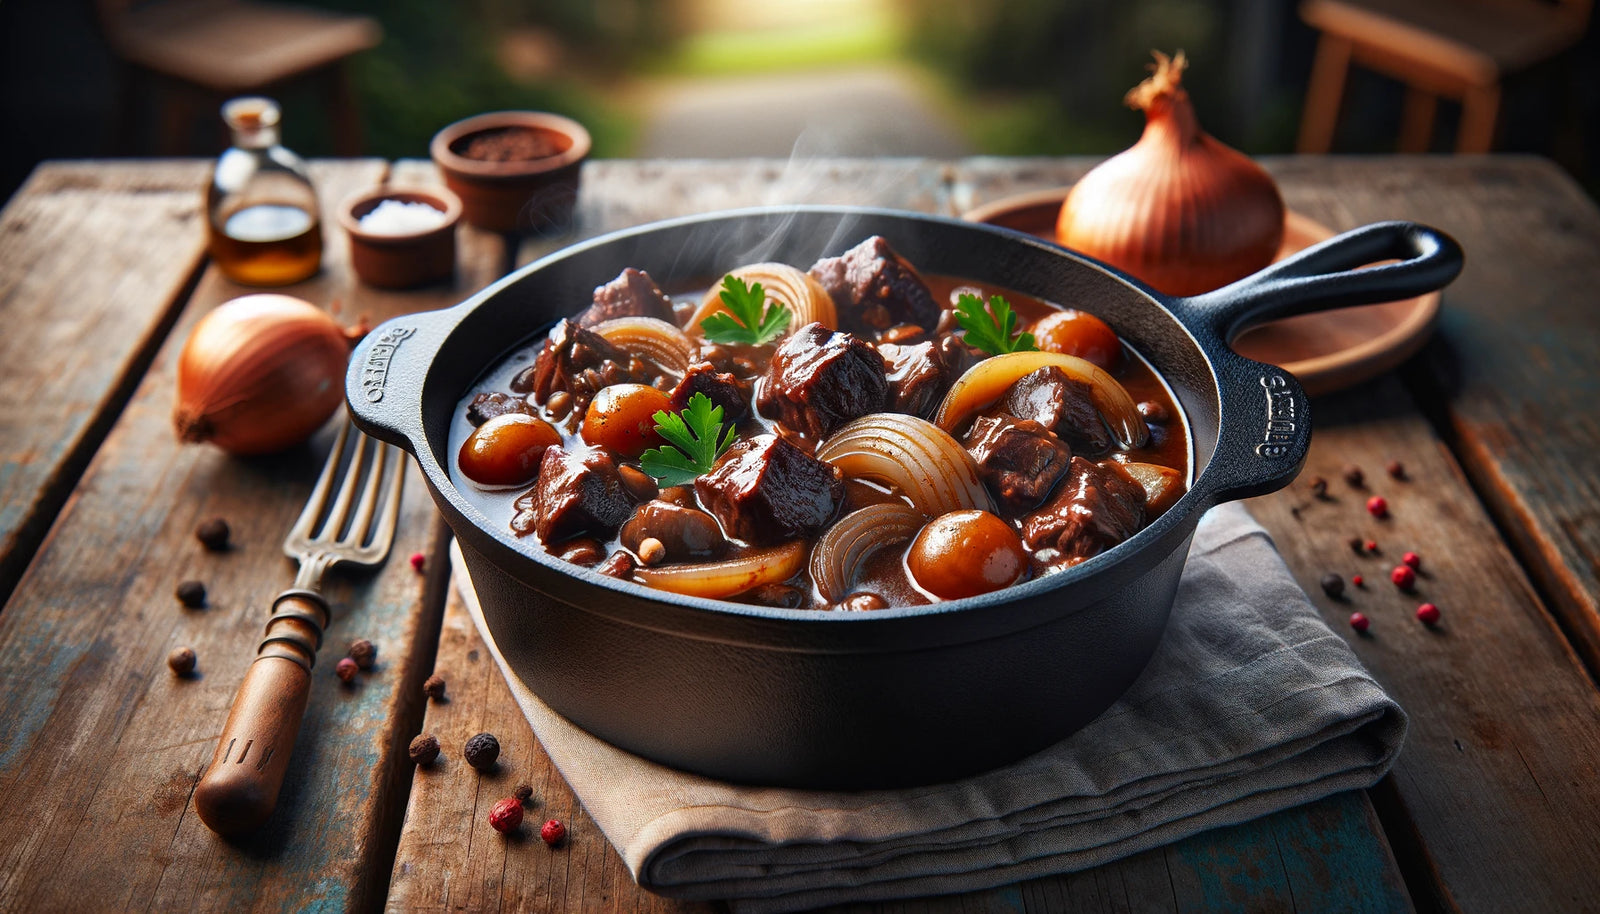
{"x": 385, "y": 380}
{"x": 1328, "y": 275}
{"x": 1266, "y": 416}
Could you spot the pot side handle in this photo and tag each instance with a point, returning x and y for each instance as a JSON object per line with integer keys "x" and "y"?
{"x": 1266, "y": 416}
{"x": 1329, "y": 275}
{"x": 383, "y": 385}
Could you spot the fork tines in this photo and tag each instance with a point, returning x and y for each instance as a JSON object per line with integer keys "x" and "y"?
{"x": 356, "y": 523}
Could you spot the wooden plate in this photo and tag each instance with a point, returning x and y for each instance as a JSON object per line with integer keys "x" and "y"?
{"x": 1326, "y": 351}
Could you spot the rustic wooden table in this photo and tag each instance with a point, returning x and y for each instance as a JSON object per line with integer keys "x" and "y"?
{"x": 1491, "y": 807}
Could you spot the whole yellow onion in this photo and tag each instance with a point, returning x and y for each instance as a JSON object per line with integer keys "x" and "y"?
{"x": 259, "y": 374}
{"x": 1178, "y": 209}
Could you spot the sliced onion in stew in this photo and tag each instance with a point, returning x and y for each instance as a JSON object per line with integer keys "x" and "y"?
{"x": 729, "y": 577}
{"x": 650, "y": 338}
{"x": 915, "y": 456}
{"x": 1162, "y": 485}
{"x": 842, "y": 550}
{"x": 790, "y": 287}
{"x": 987, "y": 381}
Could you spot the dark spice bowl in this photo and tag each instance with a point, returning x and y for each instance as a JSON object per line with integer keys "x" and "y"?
{"x": 893, "y": 697}
{"x": 515, "y": 171}
{"x": 401, "y": 261}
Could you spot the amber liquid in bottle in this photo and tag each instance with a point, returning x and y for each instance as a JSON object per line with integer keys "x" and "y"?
{"x": 267, "y": 244}
{"x": 264, "y": 226}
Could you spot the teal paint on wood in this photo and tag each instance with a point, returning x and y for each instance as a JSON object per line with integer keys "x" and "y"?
{"x": 1331, "y": 863}
{"x": 1322, "y": 856}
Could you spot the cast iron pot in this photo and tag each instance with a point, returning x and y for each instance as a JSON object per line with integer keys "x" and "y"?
{"x": 895, "y": 697}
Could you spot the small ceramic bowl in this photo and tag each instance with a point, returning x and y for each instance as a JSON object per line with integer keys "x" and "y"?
{"x": 516, "y": 171}
{"x": 402, "y": 261}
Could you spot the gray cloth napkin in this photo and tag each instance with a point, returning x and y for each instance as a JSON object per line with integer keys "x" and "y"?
{"x": 1250, "y": 705}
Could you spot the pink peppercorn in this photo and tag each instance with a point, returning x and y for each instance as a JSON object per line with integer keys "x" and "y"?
{"x": 346, "y": 669}
{"x": 506, "y": 815}
{"x": 1372, "y": 545}
{"x": 1359, "y": 621}
{"x": 552, "y": 832}
{"x": 1357, "y": 580}
{"x": 1404, "y": 577}
{"x": 1377, "y": 506}
{"x": 1428, "y": 614}
{"x": 1412, "y": 559}
{"x": 417, "y": 561}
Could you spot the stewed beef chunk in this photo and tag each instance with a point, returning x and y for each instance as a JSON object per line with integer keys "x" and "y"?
{"x": 1060, "y": 404}
{"x": 632, "y": 294}
{"x": 1096, "y": 507}
{"x": 1018, "y": 458}
{"x": 765, "y": 490}
{"x": 581, "y": 362}
{"x": 918, "y": 376}
{"x": 722, "y": 388}
{"x": 819, "y": 380}
{"x": 578, "y": 492}
{"x": 486, "y": 406}
{"x": 874, "y": 288}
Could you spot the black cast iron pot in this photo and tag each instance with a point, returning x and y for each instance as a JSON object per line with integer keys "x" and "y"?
{"x": 895, "y": 697}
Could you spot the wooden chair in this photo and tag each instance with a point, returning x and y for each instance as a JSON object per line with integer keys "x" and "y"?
{"x": 205, "y": 51}
{"x": 1458, "y": 49}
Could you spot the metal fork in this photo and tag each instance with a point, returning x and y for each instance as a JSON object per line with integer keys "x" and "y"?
{"x": 240, "y": 789}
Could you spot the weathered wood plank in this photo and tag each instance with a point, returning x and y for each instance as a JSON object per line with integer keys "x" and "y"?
{"x": 105, "y": 745}
{"x": 450, "y": 803}
{"x": 1505, "y": 727}
{"x": 94, "y": 259}
{"x": 1512, "y": 372}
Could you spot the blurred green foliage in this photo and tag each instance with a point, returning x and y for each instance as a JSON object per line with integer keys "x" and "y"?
{"x": 1049, "y": 76}
{"x": 863, "y": 39}
{"x": 437, "y": 65}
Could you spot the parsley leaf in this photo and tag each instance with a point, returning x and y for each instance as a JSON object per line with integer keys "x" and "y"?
{"x": 744, "y": 321}
{"x": 990, "y": 330}
{"x": 697, "y": 440}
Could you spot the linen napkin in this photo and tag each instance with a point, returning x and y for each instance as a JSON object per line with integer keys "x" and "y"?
{"x": 1250, "y": 705}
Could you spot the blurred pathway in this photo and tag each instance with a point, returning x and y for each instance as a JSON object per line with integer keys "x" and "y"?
{"x": 877, "y": 110}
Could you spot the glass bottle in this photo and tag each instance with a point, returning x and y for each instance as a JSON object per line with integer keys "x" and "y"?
{"x": 264, "y": 224}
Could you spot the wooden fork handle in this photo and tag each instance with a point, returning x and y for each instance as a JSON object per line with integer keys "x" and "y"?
{"x": 240, "y": 789}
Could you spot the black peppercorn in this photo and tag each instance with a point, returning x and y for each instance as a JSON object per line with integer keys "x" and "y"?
{"x": 213, "y": 534}
{"x": 523, "y": 793}
{"x": 181, "y": 660}
{"x": 1357, "y": 545}
{"x": 433, "y": 687}
{"x": 191, "y": 594}
{"x": 1396, "y": 469}
{"x": 424, "y": 749}
{"x": 1333, "y": 585}
{"x": 1354, "y": 476}
{"x": 364, "y": 653}
{"x": 481, "y": 751}
{"x": 1319, "y": 487}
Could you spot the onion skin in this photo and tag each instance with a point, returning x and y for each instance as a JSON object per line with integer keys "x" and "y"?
{"x": 843, "y": 547}
{"x": 917, "y": 457}
{"x": 729, "y": 577}
{"x": 1179, "y": 210}
{"x": 792, "y": 288}
{"x": 259, "y": 374}
{"x": 988, "y": 380}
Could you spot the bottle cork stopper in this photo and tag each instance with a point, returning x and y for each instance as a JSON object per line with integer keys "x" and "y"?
{"x": 251, "y": 112}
